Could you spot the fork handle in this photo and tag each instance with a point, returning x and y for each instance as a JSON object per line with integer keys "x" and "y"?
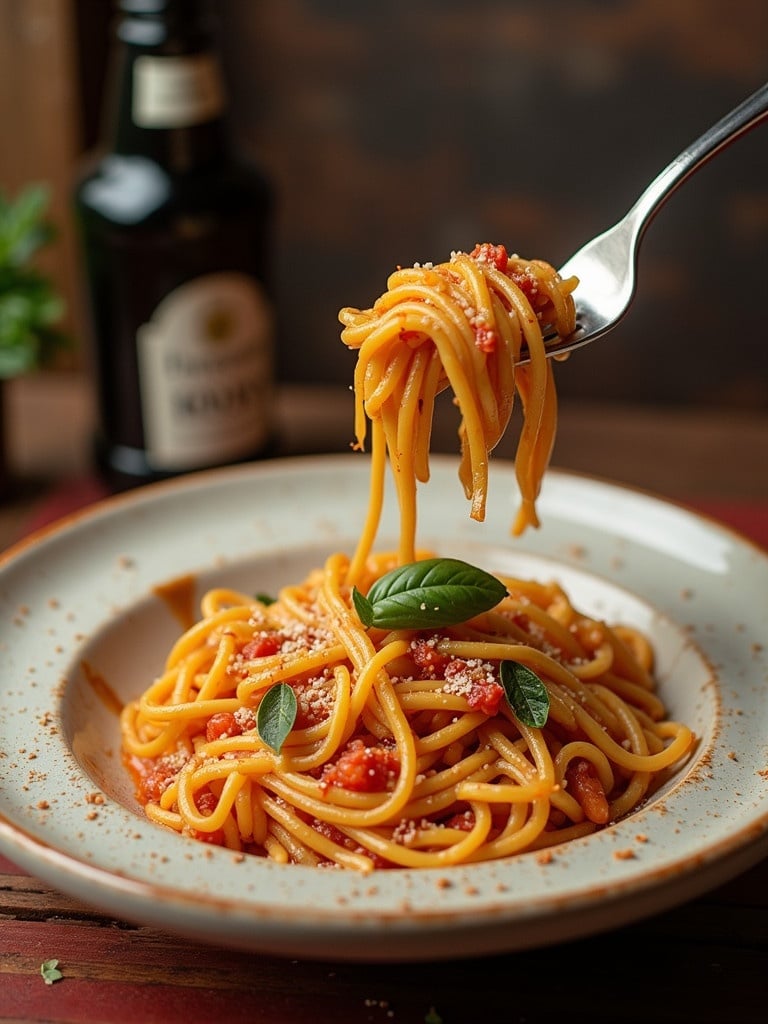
{"x": 748, "y": 114}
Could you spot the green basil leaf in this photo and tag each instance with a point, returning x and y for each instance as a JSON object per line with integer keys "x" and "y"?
{"x": 276, "y": 715}
{"x": 363, "y": 607}
{"x": 49, "y": 969}
{"x": 429, "y": 594}
{"x": 526, "y": 694}
{"x": 265, "y": 599}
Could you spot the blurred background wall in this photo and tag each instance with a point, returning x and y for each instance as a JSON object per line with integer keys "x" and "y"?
{"x": 395, "y": 132}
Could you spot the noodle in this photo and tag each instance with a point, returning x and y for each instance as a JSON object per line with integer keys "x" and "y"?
{"x": 463, "y": 325}
{"x": 403, "y": 745}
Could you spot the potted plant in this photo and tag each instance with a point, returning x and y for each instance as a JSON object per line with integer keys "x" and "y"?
{"x": 30, "y": 307}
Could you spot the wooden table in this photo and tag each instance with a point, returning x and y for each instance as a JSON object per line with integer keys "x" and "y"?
{"x": 703, "y": 962}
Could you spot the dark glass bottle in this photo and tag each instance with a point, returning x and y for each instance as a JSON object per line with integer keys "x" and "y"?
{"x": 175, "y": 238}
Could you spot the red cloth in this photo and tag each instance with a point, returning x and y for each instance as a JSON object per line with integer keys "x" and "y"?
{"x": 64, "y": 499}
{"x": 748, "y": 517}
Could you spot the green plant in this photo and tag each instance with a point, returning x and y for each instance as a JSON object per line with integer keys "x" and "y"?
{"x": 29, "y": 305}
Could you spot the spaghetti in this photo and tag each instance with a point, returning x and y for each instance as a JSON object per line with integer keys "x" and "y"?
{"x": 463, "y": 325}
{"x": 400, "y": 746}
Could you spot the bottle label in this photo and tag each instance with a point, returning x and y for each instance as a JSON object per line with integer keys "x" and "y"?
{"x": 205, "y": 373}
{"x": 176, "y": 92}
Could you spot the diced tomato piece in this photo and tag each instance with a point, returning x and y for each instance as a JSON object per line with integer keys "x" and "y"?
{"x": 485, "y": 338}
{"x": 362, "y": 769}
{"x": 486, "y": 252}
{"x": 481, "y": 690}
{"x": 221, "y": 725}
{"x": 314, "y": 702}
{"x": 262, "y": 646}
{"x": 206, "y": 803}
{"x": 464, "y": 821}
{"x": 485, "y": 696}
{"x": 585, "y": 786}
{"x": 428, "y": 659}
{"x": 152, "y": 776}
{"x": 526, "y": 282}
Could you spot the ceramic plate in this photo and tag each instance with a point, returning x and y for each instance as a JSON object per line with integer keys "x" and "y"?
{"x": 82, "y": 628}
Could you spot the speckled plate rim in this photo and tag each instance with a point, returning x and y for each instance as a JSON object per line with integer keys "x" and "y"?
{"x": 699, "y": 584}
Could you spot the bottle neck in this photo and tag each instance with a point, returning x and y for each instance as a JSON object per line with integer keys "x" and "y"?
{"x": 167, "y": 100}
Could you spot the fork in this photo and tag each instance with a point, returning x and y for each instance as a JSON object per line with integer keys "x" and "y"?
{"x": 607, "y": 266}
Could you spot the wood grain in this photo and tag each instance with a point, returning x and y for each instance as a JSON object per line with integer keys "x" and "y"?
{"x": 702, "y": 962}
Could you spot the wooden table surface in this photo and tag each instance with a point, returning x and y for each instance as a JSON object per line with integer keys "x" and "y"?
{"x": 705, "y": 961}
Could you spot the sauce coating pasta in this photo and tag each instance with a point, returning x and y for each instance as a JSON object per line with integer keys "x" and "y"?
{"x": 402, "y": 747}
{"x": 461, "y": 324}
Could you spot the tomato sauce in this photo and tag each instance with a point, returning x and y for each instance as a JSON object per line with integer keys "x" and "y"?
{"x": 362, "y": 769}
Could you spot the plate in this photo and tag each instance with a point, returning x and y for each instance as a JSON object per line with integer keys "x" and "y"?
{"x": 85, "y": 623}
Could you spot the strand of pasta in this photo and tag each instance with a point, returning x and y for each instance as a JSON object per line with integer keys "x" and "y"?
{"x": 406, "y": 856}
{"x": 469, "y": 784}
{"x": 446, "y": 307}
{"x": 475, "y": 779}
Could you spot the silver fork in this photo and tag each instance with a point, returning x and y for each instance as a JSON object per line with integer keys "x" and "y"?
{"x": 607, "y": 266}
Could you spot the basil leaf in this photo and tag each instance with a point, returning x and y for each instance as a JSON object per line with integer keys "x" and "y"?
{"x": 525, "y": 693}
{"x": 276, "y": 715}
{"x": 363, "y": 607}
{"x": 49, "y": 969}
{"x": 265, "y": 599}
{"x": 428, "y": 594}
